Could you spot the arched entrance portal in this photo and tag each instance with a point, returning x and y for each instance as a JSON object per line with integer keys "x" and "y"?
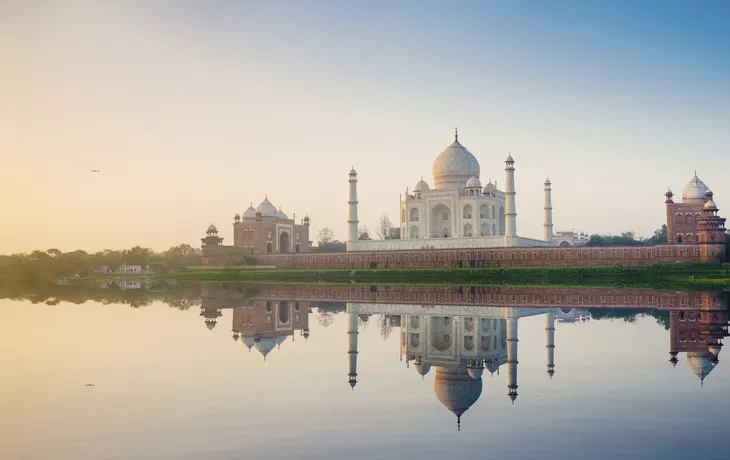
{"x": 440, "y": 221}
{"x": 284, "y": 242}
{"x": 269, "y": 247}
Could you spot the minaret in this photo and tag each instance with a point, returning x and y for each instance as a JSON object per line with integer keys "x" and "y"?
{"x": 510, "y": 209}
{"x": 512, "y": 358}
{"x": 548, "y": 208}
{"x": 352, "y": 350}
{"x": 550, "y": 337}
{"x": 352, "y": 216}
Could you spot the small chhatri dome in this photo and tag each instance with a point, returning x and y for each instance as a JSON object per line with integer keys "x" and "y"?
{"x": 489, "y": 188}
{"x": 212, "y": 229}
{"x": 237, "y": 217}
{"x": 473, "y": 182}
{"x": 353, "y": 172}
{"x": 250, "y": 213}
{"x": 547, "y": 181}
{"x": 509, "y": 159}
{"x": 421, "y": 186}
{"x": 306, "y": 218}
{"x": 280, "y": 214}
{"x": 266, "y": 208}
{"x": 454, "y": 166}
{"x": 694, "y": 191}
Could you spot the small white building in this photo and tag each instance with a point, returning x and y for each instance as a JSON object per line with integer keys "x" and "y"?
{"x": 101, "y": 270}
{"x": 571, "y": 238}
{"x": 124, "y": 268}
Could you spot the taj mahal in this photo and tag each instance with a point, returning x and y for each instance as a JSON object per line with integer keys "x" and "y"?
{"x": 457, "y": 212}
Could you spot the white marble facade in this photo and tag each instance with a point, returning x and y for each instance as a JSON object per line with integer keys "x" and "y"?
{"x": 457, "y": 212}
{"x": 457, "y": 206}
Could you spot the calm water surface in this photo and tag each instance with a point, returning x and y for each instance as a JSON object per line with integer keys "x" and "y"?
{"x": 223, "y": 372}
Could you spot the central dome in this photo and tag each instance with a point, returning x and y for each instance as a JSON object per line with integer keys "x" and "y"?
{"x": 694, "y": 191}
{"x": 454, "y": 166}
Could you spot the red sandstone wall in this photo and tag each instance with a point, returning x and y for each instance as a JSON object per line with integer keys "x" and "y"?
{"x": 503, "y": 257}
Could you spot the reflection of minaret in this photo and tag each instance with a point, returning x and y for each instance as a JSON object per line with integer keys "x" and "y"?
{"x": 550, "y": 336}
{"x": 512, "y": 358}
{"x": 352, "y": 351}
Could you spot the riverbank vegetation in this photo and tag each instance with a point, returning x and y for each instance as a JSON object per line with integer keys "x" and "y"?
{"x": 650, "y": 276}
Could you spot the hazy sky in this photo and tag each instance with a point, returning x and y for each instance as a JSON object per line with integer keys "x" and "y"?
{"x": 193, "y": 109}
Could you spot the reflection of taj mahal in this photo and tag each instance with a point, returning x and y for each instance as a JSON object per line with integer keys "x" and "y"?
{"x": 458, "y": 348}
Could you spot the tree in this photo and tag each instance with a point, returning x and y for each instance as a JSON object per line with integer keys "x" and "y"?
{"x": 325, "y": 236}
{"x": 385, "y": 227}
{"x": 659, "y": 236}
{"x": 364, "y": 233}
{"x": 395, "y": 233}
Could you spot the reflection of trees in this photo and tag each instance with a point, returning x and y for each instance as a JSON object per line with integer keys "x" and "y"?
{"x": 325, "y": 317}
{"x": 386, "y": 326}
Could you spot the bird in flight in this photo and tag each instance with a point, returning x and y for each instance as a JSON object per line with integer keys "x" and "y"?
{"x": 95, "y": 170}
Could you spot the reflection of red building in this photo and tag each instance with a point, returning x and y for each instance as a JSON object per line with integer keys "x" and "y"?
{"x": 699, "y": 334}
{"x": 267, "y": 324}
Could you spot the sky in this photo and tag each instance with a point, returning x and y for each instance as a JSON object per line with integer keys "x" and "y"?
{"x": 193, "y": 109}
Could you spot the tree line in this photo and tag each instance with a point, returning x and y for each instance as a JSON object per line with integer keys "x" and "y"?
{"x": 53, "y": 263}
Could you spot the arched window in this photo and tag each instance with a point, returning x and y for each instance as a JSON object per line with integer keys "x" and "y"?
{"x": 269, "y": 247}
{"x": 688, "y": 218}
{"x": 494, "y": 229}
{"x": 680, "y": 240}
{"x": 484, "y": 211}
{"x": 697, "y": 217}
{"x": 484, "y": 230}
{"x": 679, "y": 219}
{"x": 414, "y": 214}
{"x": 468, "y": 230}
{"x": 414, "y": 232}
{"x": 402, "y": 215}
{"x": 467, "y": 212}
{"x": 296, "y": 248}
{"x": 494, "y": 213}
{"x": 689, "y": 238}
{"x": 445, "y": 216}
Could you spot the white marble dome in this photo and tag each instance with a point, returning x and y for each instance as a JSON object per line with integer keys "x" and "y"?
{"x": 266, "y": 208}
{"x": 421, "y": 186}
{"x": 454, "y": 166}
{"x": 700, "y": 364}
{"x": 694, "y": 191}
{"x": 250, "y": 213}
{"x": 489, "y": 188}
{"x": 473, "y": 182}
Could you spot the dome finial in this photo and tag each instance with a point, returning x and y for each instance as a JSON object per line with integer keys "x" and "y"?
{"x": 456, "y": 134}
{"x": 458, "y": 423}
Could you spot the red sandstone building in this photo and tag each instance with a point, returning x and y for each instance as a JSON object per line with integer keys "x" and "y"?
{"x": 262, "y": 230}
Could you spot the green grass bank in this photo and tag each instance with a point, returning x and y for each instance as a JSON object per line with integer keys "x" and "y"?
{"x": 671, "y": 276}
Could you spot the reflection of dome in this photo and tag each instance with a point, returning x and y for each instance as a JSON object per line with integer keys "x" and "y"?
{"x": 280, "y": 214}
{"x": 715, "y": 349}
{"x": 279, "y": 340}
{"x": 210, "y": 324}
{"x": 694, "y": 191}
{"x": 473, "y": 182}
{"x": 454, "y": 166}
{"x": 476, "y": 372}
{"x": 250, "y": 213}
{"x": 456, "y": 389}
{"x": 700, "y": 363}
{"x": 422, "y": 369}
{"x": 493, "y": 366}
{"x": 249, "y": 341}
{"x": 421, "y": 186}
{"x": 266, "y": 208}
{"x": 265, "y": 346}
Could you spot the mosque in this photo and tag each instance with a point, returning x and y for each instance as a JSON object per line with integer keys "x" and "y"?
{"x": 261, "y": 230}
{"x": 696, "y": 214}
{"x": 458, "y": 212}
